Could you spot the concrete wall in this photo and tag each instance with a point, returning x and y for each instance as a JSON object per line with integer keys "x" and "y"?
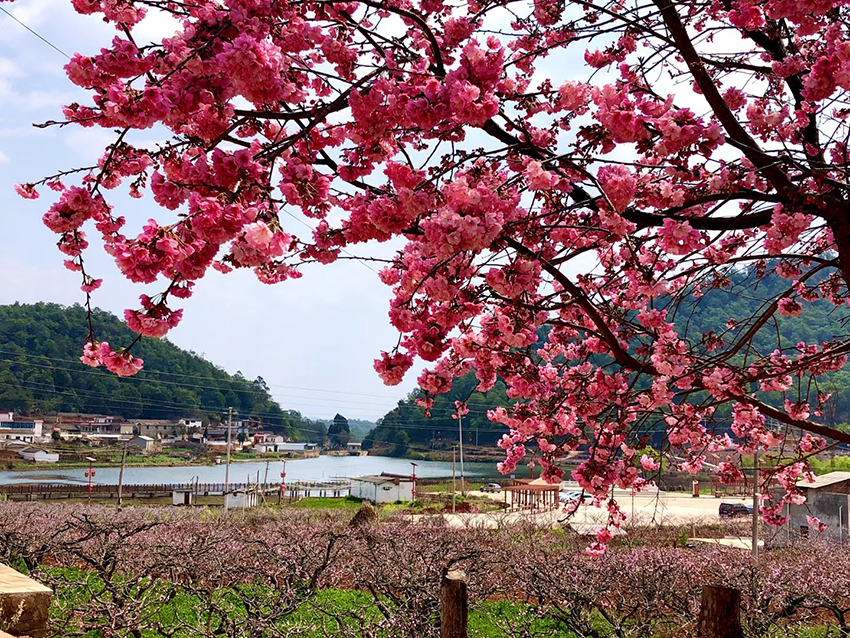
{"x": 382, "y": 493}
{"x": 24, "y": 604}
{"x": 40, "y": 456}
{"x": 179, "y": 498}
{"x": 242, "y": 500}
{"x": 831, "y": 509}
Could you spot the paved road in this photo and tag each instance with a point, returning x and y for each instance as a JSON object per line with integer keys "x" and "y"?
{"x": 649, "y": 508}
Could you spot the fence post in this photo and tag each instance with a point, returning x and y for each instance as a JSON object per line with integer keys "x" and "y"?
{"x": 719, "y": 613}
{"x": 453, "y": 605}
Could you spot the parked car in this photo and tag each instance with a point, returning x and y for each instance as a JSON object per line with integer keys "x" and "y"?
{"x": 568, "y": 497}
{"x": 734, "y": 510}
{"x": 491, "y": 487}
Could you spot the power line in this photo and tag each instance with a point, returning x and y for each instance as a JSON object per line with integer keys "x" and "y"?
{"x": 39, "y": 36}
{"x": 145, "y": 379}
{"x": 165, "y": 406}
{"x": 359, "y": 260}
{"x": 222, "y": 387}
{"x": 147, "y": 372}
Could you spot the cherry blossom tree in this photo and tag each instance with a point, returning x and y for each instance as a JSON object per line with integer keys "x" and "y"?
{"x": 584, "y": 168}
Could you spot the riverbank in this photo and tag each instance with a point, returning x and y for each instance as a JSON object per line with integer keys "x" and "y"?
{"x": 471, "y": 454}
{"x": 156, "y": 460}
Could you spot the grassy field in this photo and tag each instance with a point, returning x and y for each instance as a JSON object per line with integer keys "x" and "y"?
{"x": 327, "y": 612}
{"x": 319, "y": 616}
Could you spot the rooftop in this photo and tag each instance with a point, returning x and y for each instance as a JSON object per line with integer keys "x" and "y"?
{"x": 824, "y": 480}
{"x": 154, "y": 422}
{"x": 380, "y": 480}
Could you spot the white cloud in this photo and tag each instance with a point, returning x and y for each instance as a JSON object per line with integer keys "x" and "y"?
{"x": 4, "y": 159}
{"x": 33, "y": 13}
{"x": 156, "y": 26}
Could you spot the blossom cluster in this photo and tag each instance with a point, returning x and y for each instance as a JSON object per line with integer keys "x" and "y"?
{"x": 421, "y": 122}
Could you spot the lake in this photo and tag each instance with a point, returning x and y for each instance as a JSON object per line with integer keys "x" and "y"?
{"x": 322, "y": 467}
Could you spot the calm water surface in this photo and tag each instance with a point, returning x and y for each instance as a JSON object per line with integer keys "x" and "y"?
{"x": 322, "y": 467}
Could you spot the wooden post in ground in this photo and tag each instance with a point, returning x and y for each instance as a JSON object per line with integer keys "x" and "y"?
{"x": 121, "y": 476}
{"x": 720, "y": 613}
{"x": 453, "y": 605}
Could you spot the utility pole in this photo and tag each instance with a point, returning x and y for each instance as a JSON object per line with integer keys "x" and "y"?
{"x": 121, "y": 475}
{"x": 282, "y": 484}
{"x": 454, "y": 489}
{"x": 756, "y": 505}
{"x": 90, "y": 475}
{"x": 266, "y": 477}
{"x": 227, "y": 467}
{"x": 460, "y": 442}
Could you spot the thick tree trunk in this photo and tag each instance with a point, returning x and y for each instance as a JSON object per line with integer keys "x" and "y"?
{"x": 453, "y": 605}
{"x": 720, "y": 613}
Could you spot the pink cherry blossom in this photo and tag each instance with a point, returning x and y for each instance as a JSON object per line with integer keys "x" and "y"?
{"x": 27, "y": 191}
{"x": 91, "y": 355}
{"x": 789, "y": 307}
{"x": 122, "y": 364}
{"x": 550, "y": 227}
{"x": 649, "y": 464}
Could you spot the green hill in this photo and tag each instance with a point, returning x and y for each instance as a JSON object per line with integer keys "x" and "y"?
{"x": 741, "y": 296}
{"x": 40, "y": 371}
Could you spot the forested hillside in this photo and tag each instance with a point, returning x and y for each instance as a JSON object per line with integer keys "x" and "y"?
{"x": 40, "y": 371}
{"x": 740, "y": 297}
{"x": 407, "y": 424}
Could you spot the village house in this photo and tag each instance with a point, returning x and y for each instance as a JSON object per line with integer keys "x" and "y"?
{"x": 220, "y": 447}
{"x": 20, "y": 429}
{"x": 96, "y": 438}
{"x": 144, "y": 443}
{"x": 159, "y": 428}
{"x": 69, "y": 423}
{"x": 827, "y": 499}
{"x": 386, "y": 488}
{"x": 264, "y": 442}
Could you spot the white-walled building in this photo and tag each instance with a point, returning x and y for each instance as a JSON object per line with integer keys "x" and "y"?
{"x": 241, "y": 499}
{"x": 382, "y": 489}
{"x": 38, "y": 455}
{"x": 283, "y": 446}
{"x": 144, "y": 443}
{"x": 264, "y": 442}
{"x": 182, "y": 497}
{"x": 19, "y": 429}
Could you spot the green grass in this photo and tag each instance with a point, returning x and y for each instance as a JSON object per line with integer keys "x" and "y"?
{"x": 78, "y": 592}
{"x": 835, "y": 464}
{"x": 317, "y": 617}
{"x": 319, "y": 503}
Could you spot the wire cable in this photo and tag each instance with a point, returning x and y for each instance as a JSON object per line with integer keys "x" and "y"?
{"x": 36, "y": 34}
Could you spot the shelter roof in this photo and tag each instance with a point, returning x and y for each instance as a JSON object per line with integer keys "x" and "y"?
{"x": 824, "y": 480}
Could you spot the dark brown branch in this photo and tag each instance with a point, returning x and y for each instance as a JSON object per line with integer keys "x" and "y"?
{"x": 734, "y": 130}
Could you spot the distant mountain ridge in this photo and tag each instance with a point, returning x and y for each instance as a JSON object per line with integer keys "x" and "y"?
{"x": 40, "y": 371}
{"x": 742, "y": 298}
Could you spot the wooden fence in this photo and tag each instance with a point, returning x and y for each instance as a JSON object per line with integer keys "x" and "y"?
{"x": 36, "y": 491}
